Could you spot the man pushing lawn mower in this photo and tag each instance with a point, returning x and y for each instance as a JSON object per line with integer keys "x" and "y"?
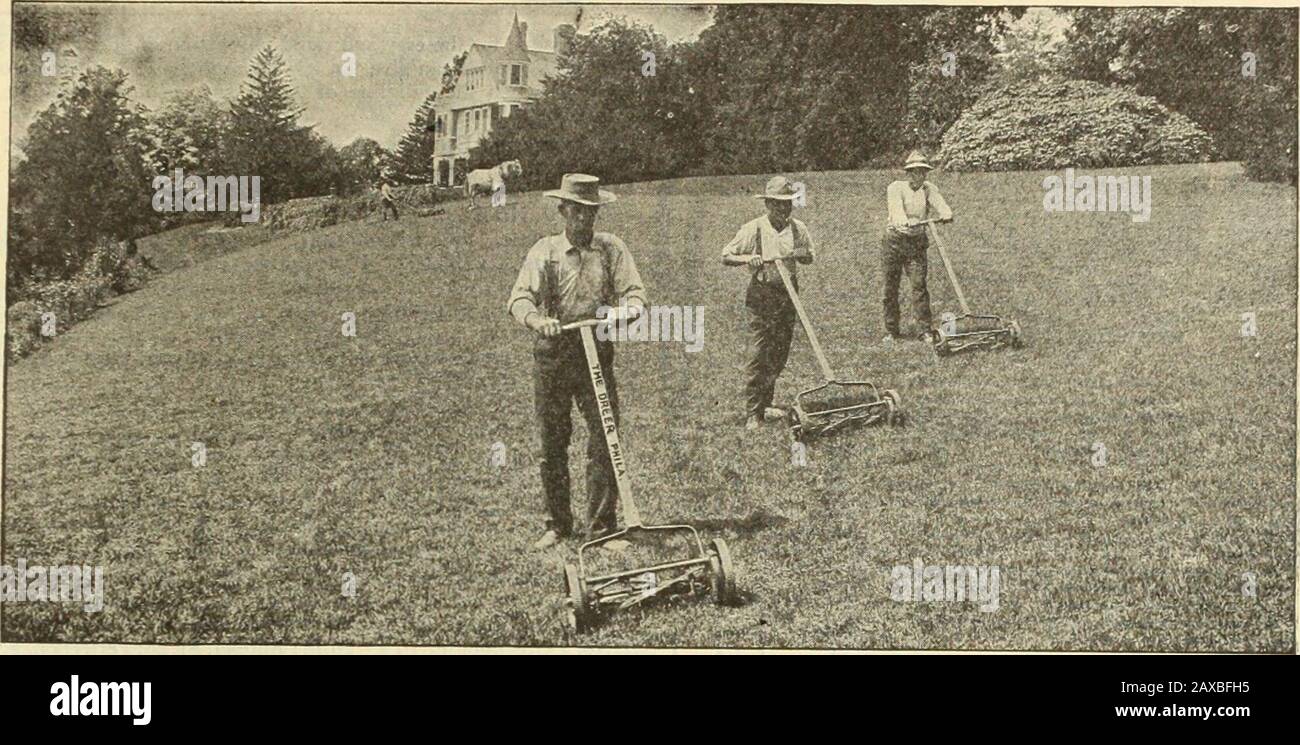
{"x": 915, "y": 209}
{"x": 566, "y": 278}
{"x": 759, "y": 244}
{"x": 903, "y": 248}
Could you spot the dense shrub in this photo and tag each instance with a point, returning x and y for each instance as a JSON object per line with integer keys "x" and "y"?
{"x": 22, "y": 329}
{"x": 120, "y": 263}
{"x": 1064, "y": 123}
{"x": 111, "y": 268}
{"x": 69, "y": 300}
{"x": 317, "y": 212}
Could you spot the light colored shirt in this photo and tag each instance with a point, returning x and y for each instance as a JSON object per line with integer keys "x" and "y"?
{"x": 387, "y": 192}
{"x": 906, "y": 203}
{"x": 781, "y": 245}
{"x": 580, "y": 274}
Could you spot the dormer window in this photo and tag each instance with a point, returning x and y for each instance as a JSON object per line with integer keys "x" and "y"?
{"x": 516, "y": 74}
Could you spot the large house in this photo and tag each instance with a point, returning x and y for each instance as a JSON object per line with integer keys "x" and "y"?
{"x": 494, "y": 82}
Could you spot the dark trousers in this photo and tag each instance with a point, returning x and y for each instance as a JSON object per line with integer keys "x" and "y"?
{"x": 560, "y": 379}
{"x": 388, "y": 205}
{"x": 771, "y": 326}
{"x": 899, "y": 254}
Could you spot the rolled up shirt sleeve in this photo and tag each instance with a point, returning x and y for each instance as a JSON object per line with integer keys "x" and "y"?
{"x": 627, "y": 280}
{"x": 526, "y": 294}
{"x": 808, "y": 243}
{"x": 742, "y": 244}
{"x": 894, "y": 202}
{"x": 937, "y": 203}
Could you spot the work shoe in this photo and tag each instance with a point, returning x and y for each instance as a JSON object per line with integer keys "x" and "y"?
{"x": 548, "y": 539}
{"x": 753, "y": 422}
{"x": 773, "y": 413}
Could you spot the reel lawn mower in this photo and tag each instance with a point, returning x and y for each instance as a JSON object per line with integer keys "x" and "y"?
{"x": 835, "y": 404}
{"x": 969, "y": 331}
{"x": 696, "y": 570}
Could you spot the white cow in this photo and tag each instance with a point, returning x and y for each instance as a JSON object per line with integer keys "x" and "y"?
{"x": 489, "y": 180}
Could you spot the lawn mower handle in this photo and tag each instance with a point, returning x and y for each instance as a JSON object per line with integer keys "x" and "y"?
{"x": 593, "y": 322}
{"x": 604, "y": 402}
{"x": 825, "y": 365}
{"x": 930, "y": 225}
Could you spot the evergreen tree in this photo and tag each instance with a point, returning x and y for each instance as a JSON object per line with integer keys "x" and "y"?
{"x": 266, "y": 138}
{"x": 451, "y": 72}
{"x": 413, "y": 161}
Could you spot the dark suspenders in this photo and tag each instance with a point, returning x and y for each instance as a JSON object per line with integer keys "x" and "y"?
{"x": 550, "y": 289}
{"x": 758, "y": 247}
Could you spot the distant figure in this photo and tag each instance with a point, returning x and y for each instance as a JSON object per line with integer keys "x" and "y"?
{"x": 490, "y": 180}
{"x": 904, "y": 244}
{"x": 387, "y": 202}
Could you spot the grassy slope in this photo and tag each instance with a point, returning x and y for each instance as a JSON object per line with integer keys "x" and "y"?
{"x": 371, "y": 455}
{"x": 183, "y": 247}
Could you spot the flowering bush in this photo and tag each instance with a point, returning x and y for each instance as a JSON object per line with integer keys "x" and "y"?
{"x": 1064, "y": 123}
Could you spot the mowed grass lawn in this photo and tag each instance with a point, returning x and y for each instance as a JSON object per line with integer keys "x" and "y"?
{"x": 329, "y": 455}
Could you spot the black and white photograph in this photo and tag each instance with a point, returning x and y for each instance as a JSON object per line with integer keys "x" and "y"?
{"x": 669, "y": 327}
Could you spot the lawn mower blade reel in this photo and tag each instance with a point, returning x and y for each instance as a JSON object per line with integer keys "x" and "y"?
{"x": 839, "y": 405}
{"x": 694, "y": 569}
{"x": 972, "y": 333}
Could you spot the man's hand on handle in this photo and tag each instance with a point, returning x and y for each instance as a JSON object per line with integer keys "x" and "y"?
{"x": 544, "y": 326}
{"x": 548, "y": 327}
{"x": 622, "y": 311}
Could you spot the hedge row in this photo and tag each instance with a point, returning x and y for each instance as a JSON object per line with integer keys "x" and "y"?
{"x": 297, "y": 215}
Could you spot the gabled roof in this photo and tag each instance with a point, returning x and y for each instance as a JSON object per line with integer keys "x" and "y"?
{"x": 516, "y": 46}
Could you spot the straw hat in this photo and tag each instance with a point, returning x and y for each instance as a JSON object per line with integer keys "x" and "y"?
{"x": 583, "y": 189}
{"x": 778, "y": 187}
{"x": 916, "y": 160}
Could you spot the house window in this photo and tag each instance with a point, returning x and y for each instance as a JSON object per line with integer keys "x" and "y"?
{"x": 516, "y": 74}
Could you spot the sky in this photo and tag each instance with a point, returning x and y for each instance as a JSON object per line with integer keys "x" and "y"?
{"x": 400, "y": 51}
